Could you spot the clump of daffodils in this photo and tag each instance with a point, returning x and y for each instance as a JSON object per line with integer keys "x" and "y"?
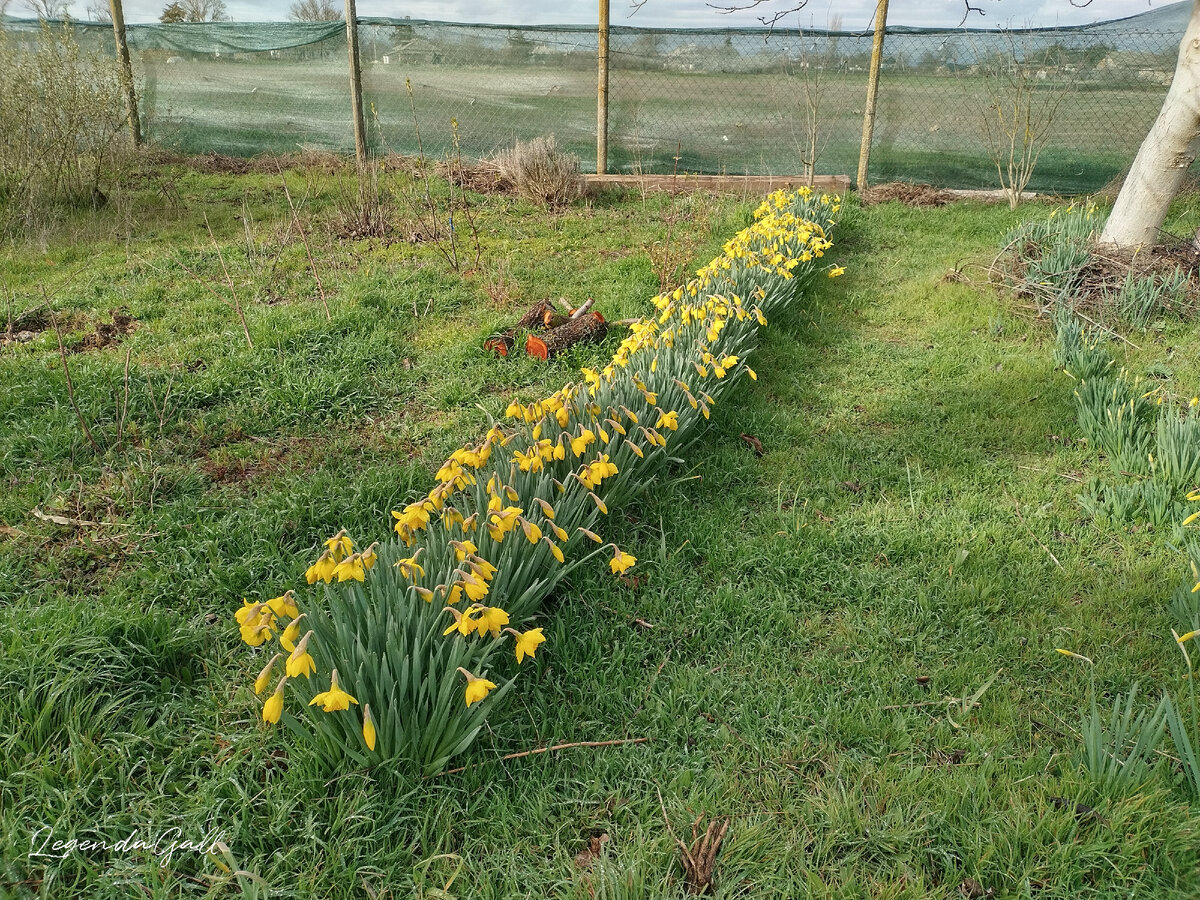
{"x": 399, "y": 650}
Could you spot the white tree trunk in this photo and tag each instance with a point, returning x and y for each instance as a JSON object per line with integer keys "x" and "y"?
{"x": 1165, "y": 156}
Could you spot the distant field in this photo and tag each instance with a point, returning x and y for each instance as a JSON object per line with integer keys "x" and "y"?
{"x": 927, "y": 126}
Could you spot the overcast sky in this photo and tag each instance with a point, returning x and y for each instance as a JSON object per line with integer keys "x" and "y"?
{"x": 856, "y": 14}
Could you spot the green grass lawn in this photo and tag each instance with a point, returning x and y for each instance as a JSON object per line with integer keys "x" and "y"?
{"x": 799, "y": 647}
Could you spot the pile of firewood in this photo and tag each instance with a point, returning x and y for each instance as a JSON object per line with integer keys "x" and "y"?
{"x": 548, "y": 331}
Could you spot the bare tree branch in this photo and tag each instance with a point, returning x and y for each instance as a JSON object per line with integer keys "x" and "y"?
{"x": 48, "y": 9}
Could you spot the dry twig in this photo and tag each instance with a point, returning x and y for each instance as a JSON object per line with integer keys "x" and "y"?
{"x": 556, "y": 747}
{"x": 312, "y": 265}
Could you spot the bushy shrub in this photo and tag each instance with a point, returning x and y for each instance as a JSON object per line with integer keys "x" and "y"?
{"x": 540, "y": 172}
{"x": 63, "y": 117}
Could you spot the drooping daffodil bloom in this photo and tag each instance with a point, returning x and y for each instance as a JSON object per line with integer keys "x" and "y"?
{"x": 333, "y": 699}
{"x": 477, "y": 688}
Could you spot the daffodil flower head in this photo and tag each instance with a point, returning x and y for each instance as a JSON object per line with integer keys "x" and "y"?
{"x": 527, "y": 642}
{"x": 477, "y": 688}
{"x": 284, "y": 606}
{"x": 333, "y": 699}
{"x": 300, "y": 662}
{"x": 369, "y": 556}
{"x": 351, "y": 568}
{"x": 368, "y": 727}
{"x": 322, "y": 569}
{"x": 291, "y": 633}
{"x": 621, "y": 561}
{"x": 273, "y": 708}
{"x": 340, "y": 546}
{"x": 264, "y": 677}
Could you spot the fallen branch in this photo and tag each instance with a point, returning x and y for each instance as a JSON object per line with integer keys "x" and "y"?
{"x": 536, "y": 751}
{"x": 588, "y": 328}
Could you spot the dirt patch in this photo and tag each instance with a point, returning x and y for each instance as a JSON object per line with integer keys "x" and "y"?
{"x": 915, "y": 195}
{"x": 24, "y": 327}
{"x": 106, "y": 334}
{"x": 265, "y": 164}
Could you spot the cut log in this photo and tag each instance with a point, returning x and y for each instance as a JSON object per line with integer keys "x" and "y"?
{"x": 536, "y": 317}
{"x": 540, "y": 315}
{"x": 500, "y": 344}
{"x": 587, "y": 328}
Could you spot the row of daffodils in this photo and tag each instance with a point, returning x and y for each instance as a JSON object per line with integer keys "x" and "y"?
{"x": 399, "y": 649}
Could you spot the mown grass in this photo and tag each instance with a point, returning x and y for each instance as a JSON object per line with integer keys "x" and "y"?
{"x": 799, "y": 645}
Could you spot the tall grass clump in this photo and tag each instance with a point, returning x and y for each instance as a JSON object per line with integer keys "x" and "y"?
{"x": 62, "y": 121}
{"x": 406, "y": 645}
{"x": 540, "y": 172}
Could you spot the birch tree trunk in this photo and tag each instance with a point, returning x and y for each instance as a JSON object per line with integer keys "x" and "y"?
{"x": 1165, "y": 156}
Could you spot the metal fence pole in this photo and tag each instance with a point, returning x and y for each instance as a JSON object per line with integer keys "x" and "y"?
{"x": 360, "y": 128}
{"x": 118, "y": 19}
{"x": 602, "y": 93}
{"x": 864, "y": 151}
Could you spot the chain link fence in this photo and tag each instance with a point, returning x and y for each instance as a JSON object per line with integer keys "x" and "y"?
{"x": 738, "y": 101}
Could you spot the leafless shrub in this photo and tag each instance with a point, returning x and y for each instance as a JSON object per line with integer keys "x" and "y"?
{"x": 1022, "y": 93}
{"x": 62, "y": 127}
{"x": 541, "y": 172}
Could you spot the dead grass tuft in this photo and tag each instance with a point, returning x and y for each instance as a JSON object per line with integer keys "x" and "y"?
{"x": 540, "y": 172}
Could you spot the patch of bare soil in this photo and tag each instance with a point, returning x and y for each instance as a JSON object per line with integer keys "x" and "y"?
{"x": 264, "y": 164}
{"x": 915, "y": 195}
{"x": 24, "y": 327}
{"x": 106, "y": 334}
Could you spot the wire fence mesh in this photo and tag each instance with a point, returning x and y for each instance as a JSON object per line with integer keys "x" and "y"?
{"x": 739, "y": 101}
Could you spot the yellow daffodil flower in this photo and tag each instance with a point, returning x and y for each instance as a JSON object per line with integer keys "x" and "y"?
{"x": 291, "y": 633}
{"x": 340, "y": 545}
{"x": 273, "y": 708}
{"x": 527, "y": 643}
{"x": 621, "y": 561}
{"x": 477, "y": 688}
{"x": 369, "y": 556}
{"x": 368, "y": 727}
{"x": 284, "y": 606}
{"x": 668, "y": 420}
{"x": 300, "y": 662}
{"x": 333, "y": 699}
{"x": 532, "y": 533}
{"x": 322, "y": 569}
{"x": 351, "y": 568}
{"x": 410, "y": 568}
{"x": 475, "y": 588}
{"x": 491, "y": 618}
{"x": 264, "y": 677}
